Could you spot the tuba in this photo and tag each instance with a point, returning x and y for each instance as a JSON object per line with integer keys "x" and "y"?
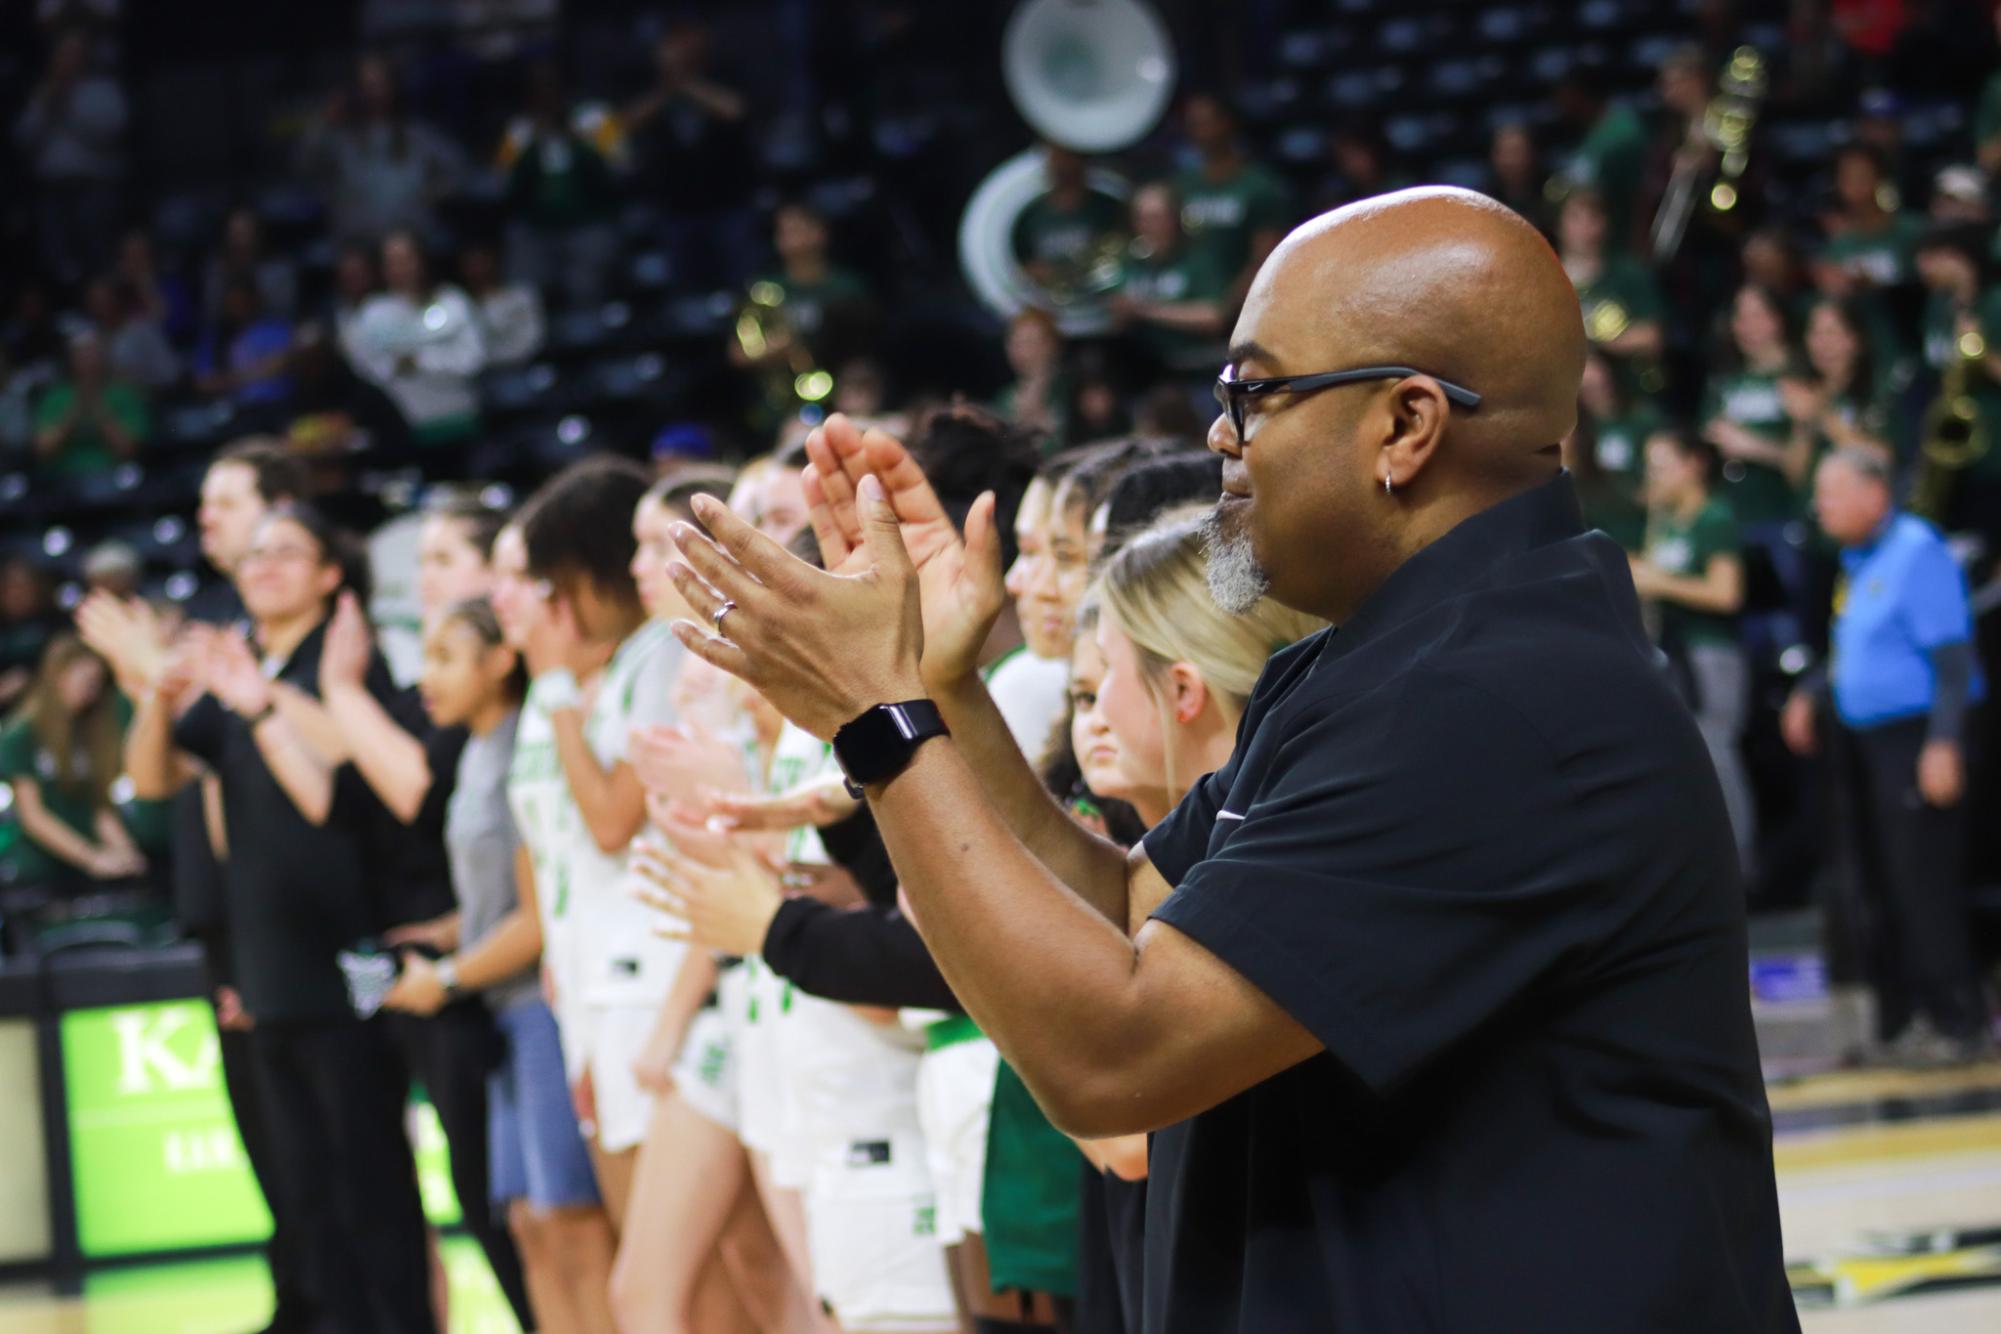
{"x": 1955, "y": 436}
{"x": 1094, "y": 76}
{"x": 1726, "y": 127}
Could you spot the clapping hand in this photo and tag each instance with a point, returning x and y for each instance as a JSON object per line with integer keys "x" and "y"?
{"x": 344, "y": 648}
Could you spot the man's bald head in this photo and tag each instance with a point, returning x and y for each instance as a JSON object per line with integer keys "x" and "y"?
{"x": 1450, "y": 283}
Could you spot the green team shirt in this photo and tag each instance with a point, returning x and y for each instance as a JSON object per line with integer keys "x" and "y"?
{"x": 23, "y": 756}
{"x": 1885, "y": 257}
{"x": 1756, "y": 493}
{"x": 1685, "y": 547}
{"x": 1221, "y": 217}
{"x": 1186, "y": 275}
{"x": 88, "y": 451}
{"x": 1612, "y": 160}
{"x": 806, "y": 304}
{"x": 1047, "y": 233}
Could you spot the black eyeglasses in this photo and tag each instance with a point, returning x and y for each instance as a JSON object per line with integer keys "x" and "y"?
{"x": 1231, "y": 392}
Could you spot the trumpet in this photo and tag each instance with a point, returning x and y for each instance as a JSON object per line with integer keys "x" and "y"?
{"x": 765, "y": 328}
{"x": 1726, "y": 127}
{"x": 1607, "y": 318}
{"x": 1955, "y": 434}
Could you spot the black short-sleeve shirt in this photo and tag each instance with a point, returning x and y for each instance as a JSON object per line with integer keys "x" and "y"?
{"x": 1473, "y": 842}
{"x": 296, "y": 893}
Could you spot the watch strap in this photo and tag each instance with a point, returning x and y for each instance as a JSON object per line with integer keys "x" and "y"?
{"x": 557, "y": 689}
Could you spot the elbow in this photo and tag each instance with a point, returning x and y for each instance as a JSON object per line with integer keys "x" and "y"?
{"x": 1125, "y": 1158}
{"x": 1105, "y": 1102}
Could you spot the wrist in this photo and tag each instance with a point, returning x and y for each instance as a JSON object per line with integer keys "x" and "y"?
{"x": 256, "y": 713}
{"x": 447, "y": 971}
{"x": 557, "y": 688}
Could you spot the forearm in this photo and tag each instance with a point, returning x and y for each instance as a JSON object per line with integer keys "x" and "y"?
{"x": 1719, "y": 594}
{"x": 306, "y": 780}
{"x": 987, "y": 908}
{"x": 111, "y": 831}
{"x": 858, "y": 956}
{"x": 613, "y": 811}
{"x": 315, "y": 726}
{"x": 1952, "y": 684}
{"x": 50, "y": 831}
{"x": 505, "y": 952}
{"x": 1092, "y": 866}
{"x": 391, "y": 760}
{"x": 150, "y": 761}
{"x": 692, "y": 985}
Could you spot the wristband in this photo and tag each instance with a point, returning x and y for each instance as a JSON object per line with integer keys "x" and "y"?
{"x": 557, "y": 689}
{"x": 256, "y": 719}
{"x": 447, "y": 969}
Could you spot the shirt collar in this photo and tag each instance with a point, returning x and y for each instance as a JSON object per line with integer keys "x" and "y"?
{"x": 1537, "y": 517}
{"x": 1861, "y": 551}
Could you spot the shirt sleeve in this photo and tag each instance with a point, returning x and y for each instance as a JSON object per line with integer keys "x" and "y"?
{"x": 1406, "y": 874}
{"x": 1935, "y": 605}
{"x": 1177, "y": 843}
{"x": 652, "y": 698}
{"x": 17, "y": 751}
{"x": 857, "y": 956}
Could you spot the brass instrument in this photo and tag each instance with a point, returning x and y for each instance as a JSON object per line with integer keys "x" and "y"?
{"x": 1726, "y": 127}
{"x": 1094, "y": 76}
{"x": 763, "y": 328}
{"x": 1607, "y": 318}
{"x": 1955, "y": 436}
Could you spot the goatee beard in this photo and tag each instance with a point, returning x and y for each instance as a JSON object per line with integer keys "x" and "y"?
{"x": 1237, "y": 582}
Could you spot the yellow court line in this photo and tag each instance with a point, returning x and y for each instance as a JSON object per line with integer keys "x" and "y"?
{"x": 1912, "y": 1139}
{"x": 1871, "y": 1085}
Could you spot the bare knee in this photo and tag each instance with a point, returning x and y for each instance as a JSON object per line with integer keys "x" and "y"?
{"x": 576, "y": 1239}
{"x": 524, "y": 1224}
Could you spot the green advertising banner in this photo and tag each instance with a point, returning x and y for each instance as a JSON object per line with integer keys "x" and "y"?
{"x": 154, "y": 1154}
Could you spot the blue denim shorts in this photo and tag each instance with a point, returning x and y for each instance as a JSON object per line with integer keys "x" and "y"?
{"x": 538, "y": 1153}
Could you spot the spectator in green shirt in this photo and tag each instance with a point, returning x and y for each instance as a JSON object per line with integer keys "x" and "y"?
{"x": 560, "y": 198}
{"x": 1170, "y": 294}
{"x": 1038, "y": 396}
{"x": 1235, "y": 210}
{"x": 1693, "y": 572}
{"x": 1515, "y": 175}
{"x": 1070, "y": 233}
{"x": 1617, "y": 426}
{"x": 1853, "y": 399}
{"x": 1622, "y": 304}
{"x": 822, "y": 311}
{"x": 1612, "y": 157}
{"x": 89, "y": 422}
{"x": 1871, "y": 243}
{"x": 60, "y": 752}
{"x": 1766, "y": 439}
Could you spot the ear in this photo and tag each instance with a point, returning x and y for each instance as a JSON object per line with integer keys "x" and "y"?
{"x": 1417, "y": 410}
{"x": 1188, "y": 693}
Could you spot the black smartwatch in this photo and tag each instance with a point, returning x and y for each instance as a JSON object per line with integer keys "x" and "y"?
{"x": 876, "y": 745}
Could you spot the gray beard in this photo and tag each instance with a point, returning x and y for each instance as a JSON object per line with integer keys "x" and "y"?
{"x": 1237, "y": 582}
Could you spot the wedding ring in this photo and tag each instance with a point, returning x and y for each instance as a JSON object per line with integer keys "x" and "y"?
{"x": 729, "y": 605}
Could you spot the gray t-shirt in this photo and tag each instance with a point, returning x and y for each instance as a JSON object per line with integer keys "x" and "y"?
{"x": 480, "y": 839}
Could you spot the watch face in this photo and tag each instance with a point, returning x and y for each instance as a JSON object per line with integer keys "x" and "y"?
{"x": 880, "y": 742}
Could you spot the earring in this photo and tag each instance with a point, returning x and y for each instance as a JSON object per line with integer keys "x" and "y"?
{"x": 1388, "y": 490}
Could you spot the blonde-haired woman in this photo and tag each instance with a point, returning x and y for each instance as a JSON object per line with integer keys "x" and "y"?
{"x": 1158, "y": 681}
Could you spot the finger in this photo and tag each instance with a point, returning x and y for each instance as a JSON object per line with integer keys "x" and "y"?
{"x": 660, "y": 900}
{"x": 716, "y": 568}
{"x": 831, "y": 475}
{"x": 703, "y": 596}
{"x": 983, "y": 548}
{"x": 680, "y": 933}
{"x": 833, "y": 542}
{"x": 881, "y": 533}
{"x": 718, "y": 652}
{"x": 767, "y": 562}
{"x": 909, "y": 490}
